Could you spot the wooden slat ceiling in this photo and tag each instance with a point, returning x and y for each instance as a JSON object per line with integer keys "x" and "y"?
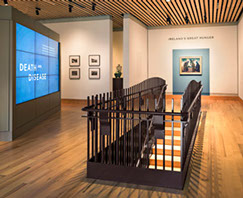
{"x": 150, "y": 12}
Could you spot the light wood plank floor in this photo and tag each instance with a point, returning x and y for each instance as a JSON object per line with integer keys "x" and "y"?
{"x": 50, "y": 159}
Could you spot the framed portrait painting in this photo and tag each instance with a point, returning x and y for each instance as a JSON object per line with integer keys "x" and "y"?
{"x": 191, "y": 65}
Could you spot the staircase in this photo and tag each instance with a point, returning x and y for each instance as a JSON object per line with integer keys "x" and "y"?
{"x": 168, "y": 148}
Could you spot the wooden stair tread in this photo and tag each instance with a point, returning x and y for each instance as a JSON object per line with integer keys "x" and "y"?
{"x": 169, "y": 128}
{"x": 167, "y": 147}
{"x": 169, "y": 142}
{"x": 167, "y": 158}
{"x": 167, "y": 163}
{"x": 167, "y": 152}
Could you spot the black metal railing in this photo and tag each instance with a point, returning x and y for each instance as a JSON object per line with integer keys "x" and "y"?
{"x": 124, "y": 127}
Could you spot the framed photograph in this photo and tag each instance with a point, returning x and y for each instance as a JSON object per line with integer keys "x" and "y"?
{"x": 94, "y": 73}
{"x": 191, "y": 65}
{"x": 74, "y": 73}
{"x": 94, "y": 60}
{"x": 74, "y": 61}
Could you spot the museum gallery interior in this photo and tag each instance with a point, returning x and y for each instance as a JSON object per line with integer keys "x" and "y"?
{"x": 121, "y": 98}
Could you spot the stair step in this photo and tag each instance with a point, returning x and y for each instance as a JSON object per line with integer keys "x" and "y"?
{"x": 177, "y": 163}
{"x": 169, "y": 132}
{"x": 175, "y": 117}
{"x": 169, "y": 142}
{"x": 166, "y": 168}
{"x": 167, "y": 158}
{"x": 170, "y": 128}
{"x": 167, "y": 152}
{"x": 169, "y": 124}
{"x": 167, "y": 163}
{"x": 169, "y": 137}
{"x": 167, "y": 147}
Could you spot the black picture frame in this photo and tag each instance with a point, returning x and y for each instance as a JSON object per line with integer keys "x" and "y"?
{"x": 73, "y": 63}
{"x": 94, "y": 60}
{"x": 72, "y": 75}
{"x": 92, "y": 76}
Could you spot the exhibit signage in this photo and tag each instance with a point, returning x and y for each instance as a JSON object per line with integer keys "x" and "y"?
{"x": 190, "y": 38}
{"x": 37, "y": 65}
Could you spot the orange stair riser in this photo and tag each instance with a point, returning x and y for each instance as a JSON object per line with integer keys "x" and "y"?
{"x": 169, "y": 124}
{"x": 167, "y": 152}
{"x": 169, "y": 133}
{"x": 169, "y": 142}
{"x": 175, "y": 117}
{"x": 167, "y": 163}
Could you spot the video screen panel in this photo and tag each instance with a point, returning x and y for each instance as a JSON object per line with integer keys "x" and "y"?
{"x": 37, "y": 65}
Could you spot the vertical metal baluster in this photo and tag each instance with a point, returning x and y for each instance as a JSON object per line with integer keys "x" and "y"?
{"x": 88, "y": 130}
{"x": 124, "y": 131}
{"x": 113, "y": 127}
{"x": 92, "y": 123}
{"x": 155, "y": 104}
{"x": 117, "y": 130}
{"x": 155, "y": 154}
{"x": 182, "y": 138}
{"x": 100, "y": 138}
{"x": 147, "y": 105}
{"x": 140, "y": 127}
{"x": 172, "y": 137}
{"x": 96, "y": 129}
{"x": 132, "y": 126}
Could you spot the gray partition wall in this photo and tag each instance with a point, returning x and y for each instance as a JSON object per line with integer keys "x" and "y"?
{"x": 17, "y": 119}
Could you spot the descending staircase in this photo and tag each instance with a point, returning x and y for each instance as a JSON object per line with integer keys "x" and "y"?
{"x": 168, "y": 148}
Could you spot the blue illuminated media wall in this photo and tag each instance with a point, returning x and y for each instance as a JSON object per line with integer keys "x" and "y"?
{"x": 37, "y": 65}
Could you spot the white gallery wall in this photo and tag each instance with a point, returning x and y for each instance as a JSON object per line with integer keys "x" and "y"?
{"x": 135, "y": 44}
{"x": 117, "y": 50}
{"x": 84, "y": 38}
{"x": 240, "y": 56}
{"x": 222, "y": 44}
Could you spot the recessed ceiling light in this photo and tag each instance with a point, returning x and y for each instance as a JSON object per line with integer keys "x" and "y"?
{"x": 167, "y": 0}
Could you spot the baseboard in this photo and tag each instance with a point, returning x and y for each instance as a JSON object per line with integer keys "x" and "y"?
{"x": 73, "y": 101}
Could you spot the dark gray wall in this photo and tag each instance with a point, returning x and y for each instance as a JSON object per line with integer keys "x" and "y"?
{"x": 5, "y": 79}
{"x": 17, "y": 119}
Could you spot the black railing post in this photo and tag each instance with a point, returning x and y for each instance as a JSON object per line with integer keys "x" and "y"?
{"x": 132, "y": 134}
{"x": 172, "y": 137}
{"x": 148, "y": 146}
{"x": 92, "y": 128}
{"x": 140, "y": 127}
{"x": 88, "y": 130}
{"x": 96, "y": 129}
{"x": 100, "y": 107}
{"x": 182, "y": 139}
{"x": 117, "y": 130}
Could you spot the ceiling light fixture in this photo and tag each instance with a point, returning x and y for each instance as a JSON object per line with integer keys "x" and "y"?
{"x": 167, "y": 0}
{"x": 70, "y": 8}
{"x": 169, "y": 20}
{"x": 186, "y": 19}
{"x": 6, "y": 2}
{"x": 37, "y": 11}
{"x": 93, "y": 6}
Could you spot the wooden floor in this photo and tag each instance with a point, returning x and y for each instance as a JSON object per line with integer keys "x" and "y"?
{"x": 50, "y": 160}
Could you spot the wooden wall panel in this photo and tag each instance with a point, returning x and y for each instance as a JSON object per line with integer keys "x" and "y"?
{"x": 150, "y": 12}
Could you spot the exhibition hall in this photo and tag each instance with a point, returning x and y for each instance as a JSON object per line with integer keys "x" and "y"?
{"x": 121, "y": 98}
